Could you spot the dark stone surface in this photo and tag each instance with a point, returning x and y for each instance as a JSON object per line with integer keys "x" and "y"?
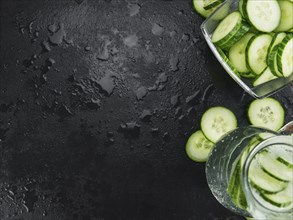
{"x": 97, "y": 100}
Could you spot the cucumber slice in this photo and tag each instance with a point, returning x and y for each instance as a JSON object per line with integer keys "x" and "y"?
{"x": 209, "y": 4}
{"x": 283, "y": 199}
{"x": 256, "y": 52}
{"x": 225, "y": 58}
{"x": 272, "y": 61}
{"x": 216, "y": 122}
{"x": 227, "y": 28}
{"x": 286, "y": 161}
{"x": 285, "y": 56}
{"x": 249, "y": 75}
{"x": 264, "y": 15}
{"x": 244, "y": 28}
{"x": 267, "y": 113}
{"x": 237, "y": 53}
{"x": 286, "y": 22}
{"x": 264, "y": 77}
{"x": 276, "y": 39}
{"x": 198, "y": 7}
{"x": 263, "y": 182}
{"x": 235, "y": 190}
{"x": 198, "y": 147}
{"x": 275, "y": 168}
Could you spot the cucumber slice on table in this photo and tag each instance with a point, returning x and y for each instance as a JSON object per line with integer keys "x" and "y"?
{"x": 262, "y": 181}
{"x": 264, "y": 77}
{"x": 237, "y": 53}
{"x": 267, "y": 113}
{"x": 264, "y": 15}
{"x": 209, "y": 4}
{"x": 198, "y": 147}
{"x": 285, "y": 56}
{"x": 216, "y": 122}
{"x": 286, "y": 22}
{"x": 256, "y": 52}
{"x": 227, "y": 28}
{"x": 198, "y": 6}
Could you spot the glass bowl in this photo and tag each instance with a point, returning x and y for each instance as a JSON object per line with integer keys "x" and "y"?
{"x": 260, "y": 91}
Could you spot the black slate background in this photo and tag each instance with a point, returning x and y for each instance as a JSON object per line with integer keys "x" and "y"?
{"x": 97, "y": 100}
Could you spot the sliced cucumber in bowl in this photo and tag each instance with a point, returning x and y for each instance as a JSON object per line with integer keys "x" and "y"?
{"x": 264, "y": 15}
{"x": 256, "y": 52}
{"x": 284, "y": 56}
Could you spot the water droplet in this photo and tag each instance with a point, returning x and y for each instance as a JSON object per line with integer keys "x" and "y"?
{"x": 146, "y": 115}
{"x": 166, "y": 136}
{"x": 174, "y": 61}
{"x": 106, "y": 83}
{"x": 52, "y": 28}
{"x": 64, "y": 112}
{"x": 207, "y": 92}
{"x": 104, "y": 53}
{"x": 50, "y": 62}
{"x": 192, "y": 98}
{"x": 185, "y": 37}
{"x": 141, "y": 92}
{"x": 45, "y": 46}
{"x": 191, "y": 112}
{"x": 178, "y": 111}
{"x": 131, "y": 130}
{"x": 131, "y": 40}
{"x": 155, "y": 131}
{"x": 58, "y": 37}
{"x": 181, "y": 118}
{"x": 87, "y": 48}
{"x": 173, "y": 33}
{"x": 133, "y": 9}
{"x": 175, "y": 100}
{"x": 30, "y": 27}
{"x": 157, "y": 29}
{"x": 93, "y": 104}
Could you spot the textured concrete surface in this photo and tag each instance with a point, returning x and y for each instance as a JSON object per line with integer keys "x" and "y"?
{"x": 97, "y": 100}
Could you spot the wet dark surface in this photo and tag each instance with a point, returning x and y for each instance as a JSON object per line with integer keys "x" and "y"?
{"x": 97, "y": 100}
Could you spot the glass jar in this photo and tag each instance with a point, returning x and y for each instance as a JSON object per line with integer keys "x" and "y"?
{"x": 227, "y": 156}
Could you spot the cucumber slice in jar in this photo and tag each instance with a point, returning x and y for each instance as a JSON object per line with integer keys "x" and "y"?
{"x": 198, "y": 7}
{"x": 286, "y": 22}
{"x": 262, "y": 181}
{"x": 264, "y": 77}
{"x": 237, "y": 53}
{"x": 216, "y": 122}
{"x": 282, "y": 199}
{"x": 264, "y": 15}
{"x": 267, "y": 113}
{"x": 284, "y": 56}
{"x": 227, "y": 28}
{"x": 256, "y": 52}
{"x": 209, "y": 4}
{"x": 275, "y": 168}
{"x": 198, "y": 147}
